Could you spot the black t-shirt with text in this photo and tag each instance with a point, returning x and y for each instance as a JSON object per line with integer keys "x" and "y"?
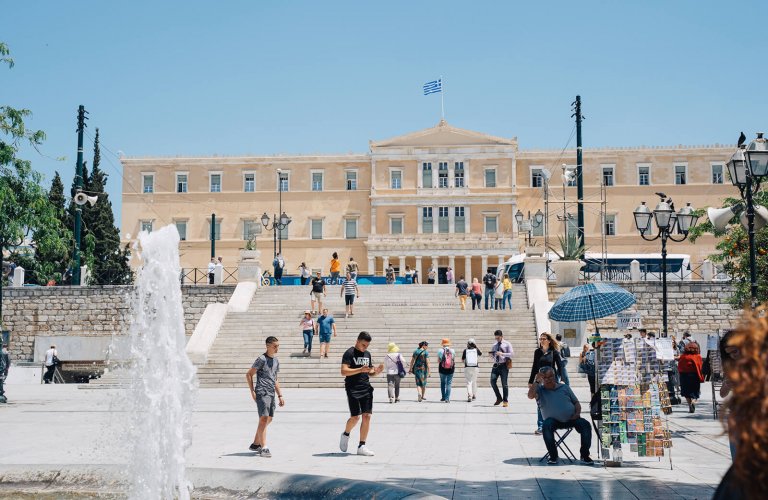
{"x": 317, "y": 285}
{"x": 358, "y": 384}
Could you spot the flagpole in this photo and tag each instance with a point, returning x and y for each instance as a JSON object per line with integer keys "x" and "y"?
{"x": 442, "y": 101}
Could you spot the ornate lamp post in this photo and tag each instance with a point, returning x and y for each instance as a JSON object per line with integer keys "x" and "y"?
{"x": 530, "y": 223}
{"x": 747, "y": 168}
{"x": 666, "y": 221}
{"x": 277, "y": 225}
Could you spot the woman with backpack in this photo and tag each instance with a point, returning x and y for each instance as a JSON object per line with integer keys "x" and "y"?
{"x": 446, "y": 357}
{"x": 395, "y": 365}
{"x": 471, "y": 356}
{"x": 420, "y": 369}
{"x": 689, "y": 365}
{"x": 545, "y": 355}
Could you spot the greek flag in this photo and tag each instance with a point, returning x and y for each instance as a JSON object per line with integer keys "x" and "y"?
{"x": 433, "y": 87}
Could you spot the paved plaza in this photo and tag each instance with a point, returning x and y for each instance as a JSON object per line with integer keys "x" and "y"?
{"x": 455, "y": 450}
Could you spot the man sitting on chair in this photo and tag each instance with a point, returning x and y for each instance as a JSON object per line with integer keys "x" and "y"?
{"x": 561, "y": 410}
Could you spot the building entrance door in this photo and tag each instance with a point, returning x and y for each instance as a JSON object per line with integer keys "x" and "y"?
{"x": 441, "y": 275}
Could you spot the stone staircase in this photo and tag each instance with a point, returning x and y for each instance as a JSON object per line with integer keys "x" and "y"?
{"x": 400, "y": 313}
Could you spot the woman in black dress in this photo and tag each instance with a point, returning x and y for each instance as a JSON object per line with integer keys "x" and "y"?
{"x": 547, "y": 354}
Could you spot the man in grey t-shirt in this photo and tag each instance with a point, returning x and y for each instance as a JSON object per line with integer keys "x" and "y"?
{"x": 561, "y": 410}
{"x": 265, "y": 368}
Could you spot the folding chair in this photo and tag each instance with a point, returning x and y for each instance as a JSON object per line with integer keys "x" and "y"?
{"x": 562, "y": 445}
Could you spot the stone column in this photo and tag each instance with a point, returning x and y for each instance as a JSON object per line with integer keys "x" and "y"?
{"x": 419, "y": 269}
{"x": 419, "y": 219}
{"x": 501, "y": 262}
{"x": 483, "y": 265}
{"x": 452, "y": 265}
{"x": 18, "y": 276}
{"x": 435, "y": 260}
{"x": 373, "y": 220}
{"x": 402, "y": 266}
{"x": 385, "y": 263}
{"x": 468, "y": 268}
{"x": 372, "y": 266}
{"x": 435, "y": 219}
{"x": 451, "y": 219}
{"x": 466, "y": 214}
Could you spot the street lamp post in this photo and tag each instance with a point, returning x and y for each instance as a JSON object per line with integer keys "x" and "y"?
{"x": 529, "y": 223}
{"x": 666, "y": 222}
{"x": 280, "y": 206}
{"x": 747, "y": 168}
{"x": 278, "y": 224}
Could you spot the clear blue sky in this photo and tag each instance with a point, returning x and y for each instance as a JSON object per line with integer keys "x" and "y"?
{"x": 262, "y": 77}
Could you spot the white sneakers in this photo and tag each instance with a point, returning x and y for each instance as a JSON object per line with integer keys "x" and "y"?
{"x": 364, "y": 450}
{"x": 343, "y": 442}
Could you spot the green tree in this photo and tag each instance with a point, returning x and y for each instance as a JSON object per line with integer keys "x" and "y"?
{"x": 733, "y": 252}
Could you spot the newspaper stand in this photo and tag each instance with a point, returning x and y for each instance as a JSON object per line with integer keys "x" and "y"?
{"x": 634, "y": 398}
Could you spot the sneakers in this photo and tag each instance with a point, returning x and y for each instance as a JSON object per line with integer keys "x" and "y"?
{"x": 419, "y": 398}
{"x": 552, "y": 461}
{"x": 469, "y": 399}
{"x": 255, "y": 447}
{"x": 343, "y": 442}
{"x": 265, "y": 453}
{"x": 537, "y": 432}
{"x": 473, "y": 398}
{"x": 305, "y": 350}
{"x": 691, "y": 408}
{"x": 497, "y": 403}
{"x": 587, "y": 460}
{"x": 505, "y": 404}
{"x": 397, "y": 400}
{"x": 365, "y": 451}
{"x": 391, "y": 400}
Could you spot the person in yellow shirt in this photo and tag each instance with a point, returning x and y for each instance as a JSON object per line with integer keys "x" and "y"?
{"x": 507, "y": 298}
{"x": 335, "y": 269}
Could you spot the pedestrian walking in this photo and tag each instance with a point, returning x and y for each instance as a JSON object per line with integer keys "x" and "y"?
{"x": 408, "y": 275}
{"x": 265, "y": 368}
{"x": 420, "y": 369}
{"x": 449, "y": 276}
{"x": 51, "y": 361}
{"x": 5, "y": 366}
{"x": 317, "y": 293}
{"x": 326, "y": 326}
{"x": 390, "y": 274}
{"x": 489, "y": 280}
{"x": 587, "y": 365}
{"x": 335, "y": 268}
{"x": 211, "y": 271}
{"x": 357, "y": 367}
{"x": 673, "y": 377}
{"x": 545, "y": 355}
{"x": 350, "y": 290}
{"x": 689, "y": 365}
{"x": 498, "y": 295}
{"x": 462, "y": 290}
{"x": 416, "y": 277}
{"x": 471, "y": 358}
{"x": 431, "y": 274}
{"x": 501, "y": 354}
{"x": 507, "y": 298}
{"x": 278, "y": 265}
{"x": 394, "y": 364}
{"x": 565, "y": 353}
{"x": 446, "y": 365}
{"x": 307, "y": 325}
{"x": 353, "y": 268}
{"x": 476, "y": 293}
{"x": 304, "y": 273}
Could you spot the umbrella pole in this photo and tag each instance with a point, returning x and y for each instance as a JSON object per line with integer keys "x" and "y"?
{"x": 591, "y": 306}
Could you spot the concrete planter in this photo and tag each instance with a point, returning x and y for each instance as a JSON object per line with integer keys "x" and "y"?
{"x": 249, "y": 267}
{"x": 567, "y": 272}
{"x": 534, "y": 251}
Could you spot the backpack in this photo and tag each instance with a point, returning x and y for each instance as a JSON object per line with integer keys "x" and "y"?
{"x": 447, "y": 361}
{"x": 588, "y": 366}
{"x": 565, "y": 351}
{"x": 471, "y": 357}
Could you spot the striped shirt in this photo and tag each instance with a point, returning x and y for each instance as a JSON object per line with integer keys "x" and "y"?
{"x": 350, "y": 287}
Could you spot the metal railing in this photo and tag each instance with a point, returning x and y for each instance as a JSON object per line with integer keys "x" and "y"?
{"x": 621, "y": 272}
{"x": 199, "y": 276}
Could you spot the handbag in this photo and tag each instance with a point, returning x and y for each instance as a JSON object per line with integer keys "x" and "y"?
{"x": 56, "y": 361}
{"x": 400, "y": 367}
{"x": 509, "y": 364}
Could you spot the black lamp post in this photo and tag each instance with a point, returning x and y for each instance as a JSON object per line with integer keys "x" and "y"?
{"x": 277, "y": 225}
{"x": 747, "y": 168}
{"x": 529, "y": 223}
{"x": 666, "y": 222}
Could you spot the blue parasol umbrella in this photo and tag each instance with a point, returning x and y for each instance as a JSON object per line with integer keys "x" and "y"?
{"x": 591, "y": 301}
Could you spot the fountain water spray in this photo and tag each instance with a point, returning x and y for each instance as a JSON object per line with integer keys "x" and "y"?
{"x": 163, "y": 382}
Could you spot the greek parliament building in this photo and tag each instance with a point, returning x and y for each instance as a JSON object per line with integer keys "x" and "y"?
{"x": 443, "y": 195}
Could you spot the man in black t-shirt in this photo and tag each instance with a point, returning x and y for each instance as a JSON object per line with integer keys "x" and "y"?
{"x": 356, "y": 366}
{"x": 490, "y": 284}
{"x": 317, "y": 293}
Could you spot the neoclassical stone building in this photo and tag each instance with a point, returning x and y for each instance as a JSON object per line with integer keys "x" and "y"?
{"x": 442, "y": 195}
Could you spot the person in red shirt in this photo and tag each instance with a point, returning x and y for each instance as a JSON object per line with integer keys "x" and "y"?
{"x": 689, "y": 365}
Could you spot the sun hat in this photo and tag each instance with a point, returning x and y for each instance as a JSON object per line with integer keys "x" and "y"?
{"x": 392, "y": 347}
{"x": 446, "y": 342}
{"x": 308, "y": 312}
{"x": 471, "y": 341}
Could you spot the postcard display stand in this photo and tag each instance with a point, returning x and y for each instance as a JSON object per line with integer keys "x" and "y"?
{"x": 634, "y": 398}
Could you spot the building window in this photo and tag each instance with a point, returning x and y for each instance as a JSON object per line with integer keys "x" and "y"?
{"x": 181, "y": 183}
{"x": 317, "y": 229}
{"x": 396, "y": 179}
{"x": 249, "y": 183}
{"x": 146, "y": 225}
{"x": 426, "y": 220}
{"x": 396, "y": 225}
{"x": 215, "y": 183}
{"x": 216, "y": 230}
{"x": 491, "y": 223}
{"x": 490, "y": 177}
{"x": 148, "y": 183}
{"x": 351, "y": 180}
{"x": 350, "y": 231}
{"x": 644, "y": 176}
{"x": 717, "y": 174}
{"x": 610, "y": 225}
{"x": 442, "y": 174}
{"x": 283, "y": 184}
{"x": 458, "y": 174}
{"x": 251, "y": 228}
{"x": 459, "y": 223}
{"x": 608, "y": 176}
{"x": 181, "y": 227}
{"x": 442, "y": 220}
{"x": 317, "y": 181}
{"x": 681, "y": 174}
{"x": 426, "y": 174}
{"x": 537, "y": 178}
